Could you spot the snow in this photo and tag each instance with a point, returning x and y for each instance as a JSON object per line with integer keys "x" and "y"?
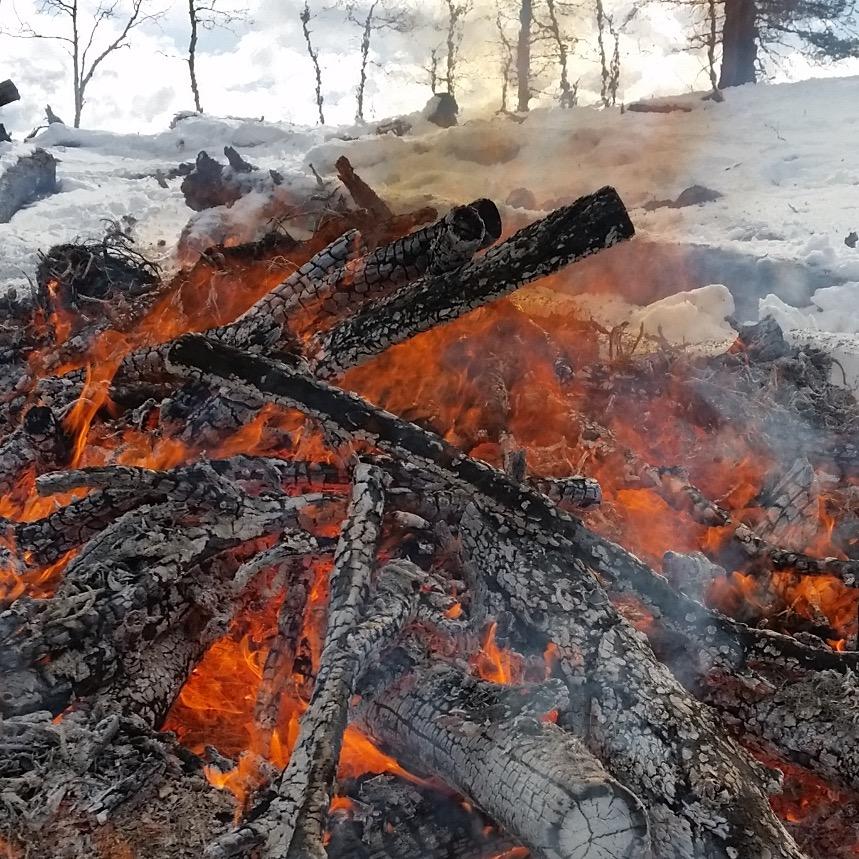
{"x": 780, "y": 156}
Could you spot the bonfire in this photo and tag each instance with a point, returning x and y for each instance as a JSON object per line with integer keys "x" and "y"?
{"x": 333, "y": 548}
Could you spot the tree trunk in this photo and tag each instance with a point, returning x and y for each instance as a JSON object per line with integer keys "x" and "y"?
{"x": 739, "y": 43}
{"x": 192, "y": 56}
{"x": 523, "y": 55}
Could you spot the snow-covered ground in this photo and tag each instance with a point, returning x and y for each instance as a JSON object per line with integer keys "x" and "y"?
{"x": 781, "y": 157}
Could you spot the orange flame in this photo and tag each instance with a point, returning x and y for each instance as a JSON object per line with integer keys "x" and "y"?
{"x": 497, "y": 664}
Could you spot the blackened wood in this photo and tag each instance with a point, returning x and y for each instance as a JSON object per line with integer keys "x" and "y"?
{"x": 202, "y": 359}
{"x": 704, "y": 794}
{"x": 291, "y": 822}
{"x": 591, "y": 224}
{"x": 120, "y": 488}
{"x": 363, "y": 195}
{"x": 279, "y": 663}
{"x": 8, "y": 92}
{"x": 576, "y": 491}
{"x": 39, "y": 444}
{"x": 30, "y": 177}
{"x": 96, "y": 784}
{"x": 674, "y": 485}
{"x": 535, "y": 780}
{"x": 440, "y": 247}
{"x": 129, "y": 586}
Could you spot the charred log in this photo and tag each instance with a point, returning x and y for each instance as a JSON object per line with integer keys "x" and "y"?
{"x": 363, "y": 195}
{"x": 704, "y": 794}
{"x": 488, "y": 743}
{"x": 568, "y": 234}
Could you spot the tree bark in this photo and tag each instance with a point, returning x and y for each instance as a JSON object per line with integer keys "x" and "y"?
{"x": 739, "y": 44}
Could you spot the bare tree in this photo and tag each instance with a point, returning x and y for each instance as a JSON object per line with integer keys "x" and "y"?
{"x": 506, "y": 47}
{"x": 455, "y": 27}
{"x": 314, "y": 57}
{"x": 85, "y": 37}
{"x": 561, "y": 45}
{"x": 207, "y": 15}
{"x": 712, "y": 42}
{"x": 432, "y": 69}
{"x": 379, "y": 15}
{"x": 608, "y": 34}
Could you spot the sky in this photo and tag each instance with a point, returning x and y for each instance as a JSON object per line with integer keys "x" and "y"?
{"x": 261, "y": 68}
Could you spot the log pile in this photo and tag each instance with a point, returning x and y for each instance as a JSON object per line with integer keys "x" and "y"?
{"x": 623, "y": 718}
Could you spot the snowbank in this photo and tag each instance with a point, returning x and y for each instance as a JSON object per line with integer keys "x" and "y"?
{"x": 779, "y": 156}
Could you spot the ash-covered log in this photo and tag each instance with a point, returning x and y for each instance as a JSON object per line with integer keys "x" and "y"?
{"x": 490, "y": 743}
{"x": 704, "y": 794}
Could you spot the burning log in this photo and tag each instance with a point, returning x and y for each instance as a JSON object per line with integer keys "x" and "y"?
{"x": 293, "y": 819}
{"x": 488, "y": 742}
{"x": 339, "y": 277}
{"x": 673, "y": 484}
{"x": 575, "y": 491}
{"x": 30, "y": 177}
{"x": 395, "y": 819}
{"x": 122, "y": 488}
{"x": 40, "y": 444}
{"x": 107, "y": 603}
{"x": 204, "y": 360}
{"x": 642, "y": 724}
{"x": 591, "y": 224}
